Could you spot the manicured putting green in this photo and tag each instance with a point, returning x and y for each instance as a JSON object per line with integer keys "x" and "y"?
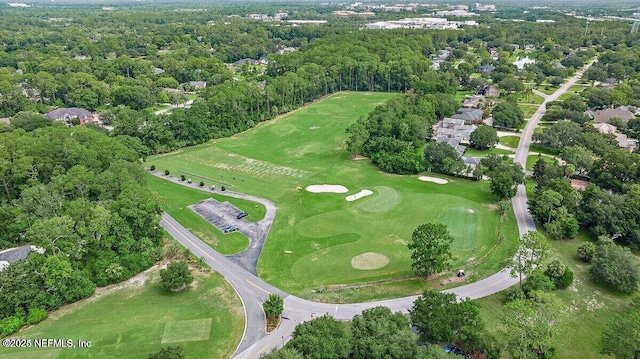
{"x": 369, "y": 260}
{"x": 462, "y": 224}
{"x": 386, "y": 199}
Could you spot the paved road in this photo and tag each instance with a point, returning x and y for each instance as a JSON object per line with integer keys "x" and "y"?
{"x": 253, "y": 291}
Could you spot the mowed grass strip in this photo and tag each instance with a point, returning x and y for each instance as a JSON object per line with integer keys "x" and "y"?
{"x": 131, "y": 321}
{"x": 315, "y": 236}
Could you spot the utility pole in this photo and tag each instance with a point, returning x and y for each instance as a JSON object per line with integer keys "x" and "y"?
{"x": 636, "y": 24}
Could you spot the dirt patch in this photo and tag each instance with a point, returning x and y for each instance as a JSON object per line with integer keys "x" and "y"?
{"x": 357, "y": 157}
{"x": 452, "y": 279}
{"x": 369, "y": 261}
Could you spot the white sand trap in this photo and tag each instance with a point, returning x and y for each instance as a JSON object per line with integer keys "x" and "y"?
{"x": 369, "y": 260}
{"x": 363, "y": 193}
{"x": 433, "y": 179}
{"x": 327, "y": 188}
{"x": 314, "y": 127}
{"x": 470, "y": 210}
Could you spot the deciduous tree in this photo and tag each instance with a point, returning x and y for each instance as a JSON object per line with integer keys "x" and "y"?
{"x": 431, "y": 246}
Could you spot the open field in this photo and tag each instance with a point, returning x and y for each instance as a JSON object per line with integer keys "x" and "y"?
{"x": 315, "y": 236}
{"x": 138, "y": 317}
{"x": 587, "y": 307}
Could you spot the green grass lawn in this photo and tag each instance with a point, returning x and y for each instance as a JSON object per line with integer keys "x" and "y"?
{"x": 510, "y": 141}
{"x": 135, "y": 319}
{"x": 577, "y": 88}
{"x": 461, "y": 94}
{"x": 587, "y": 307}
{"x": 177, "y": 198}
{"x": 547, "y": 89}
{"x": 472, "y": 152}
{"x": 315, "y": 236}
{"x": 530, "y": 99}
{"x": 531, "y": 160}
{"x": 528, "y": 110}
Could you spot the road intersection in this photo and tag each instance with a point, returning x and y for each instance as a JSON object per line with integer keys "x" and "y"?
{"x": 253, "y": 291}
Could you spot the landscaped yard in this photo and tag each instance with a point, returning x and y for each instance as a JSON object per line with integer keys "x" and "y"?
{"x": 510, "y": 141}
{"x": 528, "y": 110}
{"x": 138, "y": 317}
{"x": 317, "y": 238}
{"x": 472, "y": 152}
{"x": 531, "y": 160}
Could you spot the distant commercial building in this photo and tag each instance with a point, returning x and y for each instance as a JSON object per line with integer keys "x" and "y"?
{"x": 481, "y": 7}
{"x": 430, "y": 23}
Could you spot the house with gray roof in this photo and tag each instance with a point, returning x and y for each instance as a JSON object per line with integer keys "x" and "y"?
{"x": 13, "y": 255}
{"x": 469, "y": 115}
{"x": 454, "y": 143}
{"x": 67, "y": 114}
{"x": 454, "y": 128}
{"x": 606, "y": 115}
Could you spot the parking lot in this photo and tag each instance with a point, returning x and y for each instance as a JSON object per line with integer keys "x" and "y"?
{"x": 219, "y": 214}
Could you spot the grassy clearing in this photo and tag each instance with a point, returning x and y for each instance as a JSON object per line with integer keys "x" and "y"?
{"x": 461, "y": 94}
{"x": 135, "y": 319}
{"x": 587, "y": 307}
{"x": 528, "y": 110}
{"x": 530, "y": 98}
{"x": 547, "y": 89}
{"x": 472, "y": 152}
{"x": 510, "y": 141}
{"x": 531, "y": 160}
{"x": 577, "y": 88}
{"x": 315, "y": 236}
{"x": 177, "y": 198}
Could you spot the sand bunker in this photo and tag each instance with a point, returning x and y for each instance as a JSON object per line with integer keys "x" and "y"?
{"x": 433, "y": 179}
{"x": 324, "y": 188}
{"x": 363, "y": 193}
{"x": 369, "y": 260}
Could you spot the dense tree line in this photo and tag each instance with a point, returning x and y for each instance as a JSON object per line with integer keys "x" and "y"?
{"x": 80, "y": 196}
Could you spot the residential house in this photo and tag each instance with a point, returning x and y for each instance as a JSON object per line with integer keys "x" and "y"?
{"x": 469, "y": 115}
{"x": 580, "y": 185}
{"x": 13, "y": 255}
{"x": 69, "y": 114}
{"x": 606, "y": 115}
{"x": 489, "y": 90}
{"x": 198, "y": 84}
{"x": 485, "y": 69}
{"x": 246, "y": 61}
{"x": 5, "y": 121}
{"x": 605, "y": 128}
{"x": 475, "y": 101}
{"x": 454, "y": 143}
{"x": 454, "y": 128}
{"x": 622, "y": 139}
{"x": 158, "y": 71}
{"x": 471, "y": 163}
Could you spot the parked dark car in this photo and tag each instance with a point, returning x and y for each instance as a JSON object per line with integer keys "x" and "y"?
{"x": 242, "y": 215}
{"x": 230, "y": 228}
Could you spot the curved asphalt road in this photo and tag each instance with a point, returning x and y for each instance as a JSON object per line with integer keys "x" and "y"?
{"x": 253, "y": 291}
